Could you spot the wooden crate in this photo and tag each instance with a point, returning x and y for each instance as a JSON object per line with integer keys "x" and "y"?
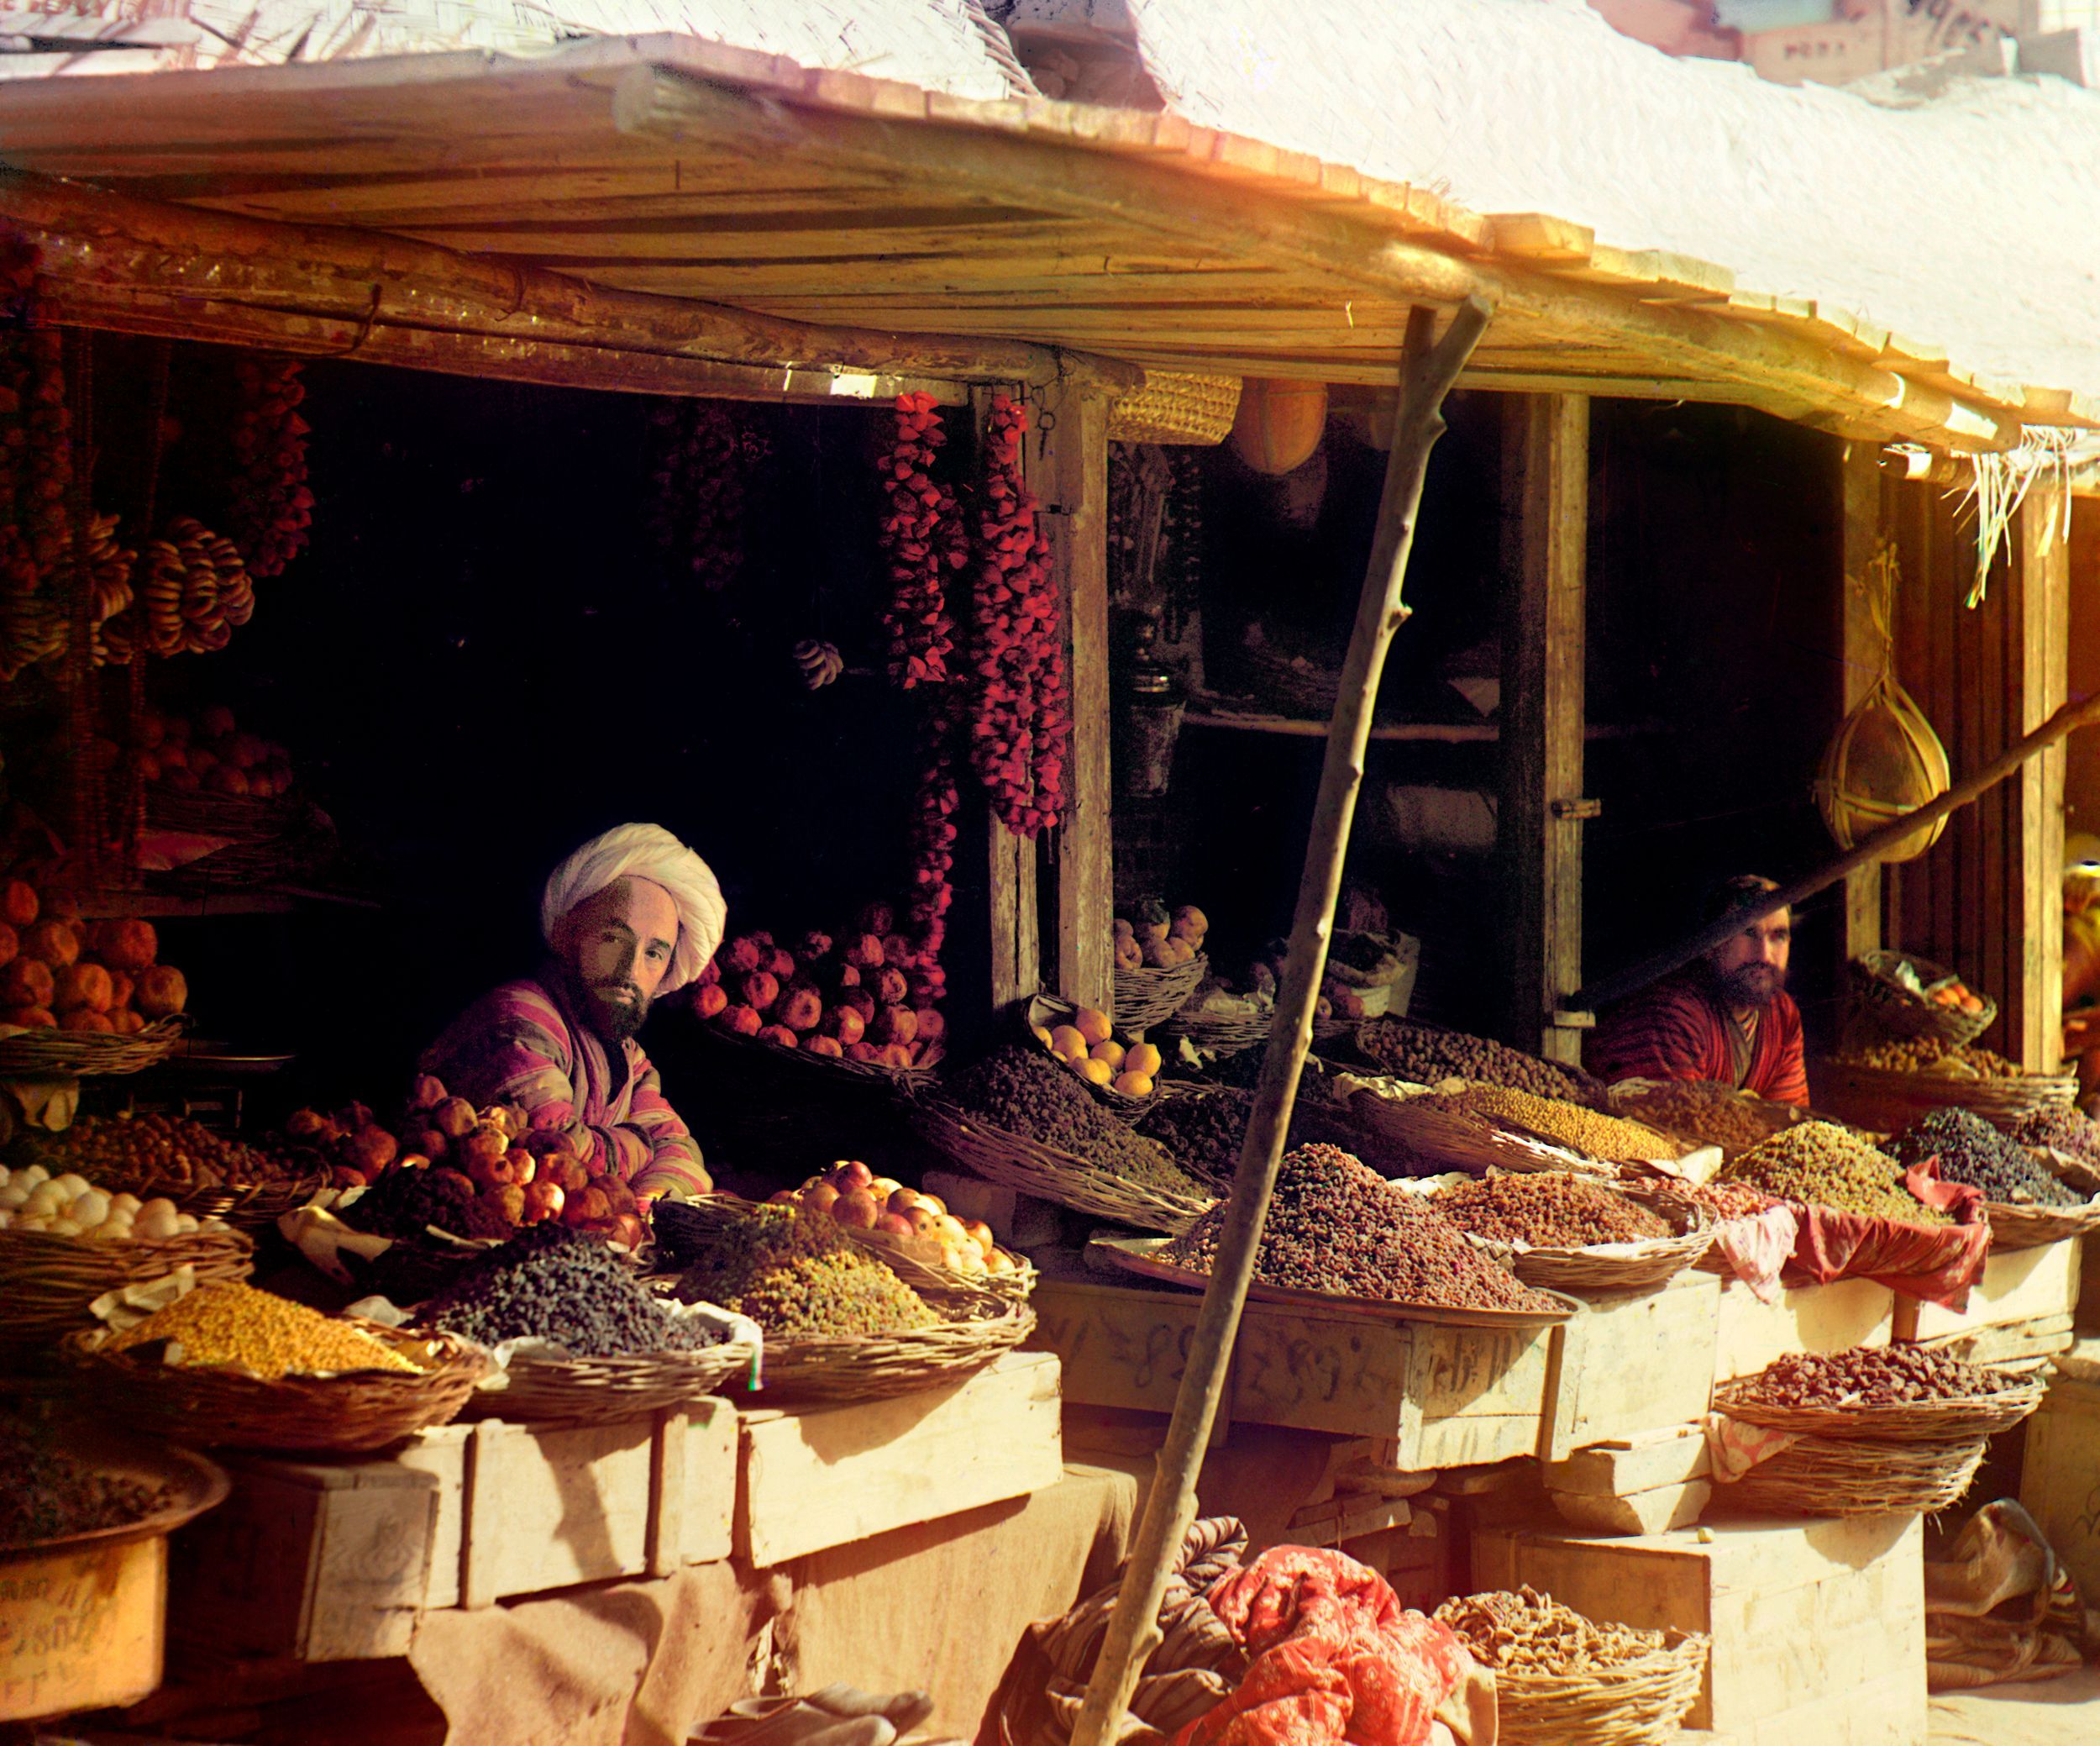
{"x": 332, "y": 1560}
{"x": 1818, "y": 1627}
{"x": 2059, "y": 1479}
{"x": 809, "y": 1481}
{"x": 1806, "y": 1318}
{"x": 1635, "y": 1362}
{"x": 1645, "y": 1485}
{"x": 2088, "y": 1310}
{"x": 1433, "y": 1395}
{"x": 2018, "y": 1285}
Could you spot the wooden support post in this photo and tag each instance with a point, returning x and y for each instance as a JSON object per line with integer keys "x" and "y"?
{"x": 1427, "y": 371}
{"x": 1545, "y": 549}
{"x": 1865, "y": 653}
{"x": 1067, "y": 466}
{"x": 2037, "y": 677}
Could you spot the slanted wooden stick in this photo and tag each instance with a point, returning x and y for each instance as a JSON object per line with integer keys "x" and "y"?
{"x": 2079, "y": 712}
{"x": 1427, "y": 372}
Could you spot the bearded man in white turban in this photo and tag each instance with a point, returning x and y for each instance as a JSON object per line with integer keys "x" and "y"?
{"x": 632, "y": 915}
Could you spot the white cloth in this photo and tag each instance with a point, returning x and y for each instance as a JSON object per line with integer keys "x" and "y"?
{"x": 645, "y": 851}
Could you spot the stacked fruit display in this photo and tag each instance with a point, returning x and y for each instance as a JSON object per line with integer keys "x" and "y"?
{"x": 59, "y": 971}
{"x": 1087, "y": 1045}
{"x": 851, "y": 1195}
{"x": 862, "y": 996}
{"x": 1147, "y": 936}
{"x": 210, "y": 756}
{"x": 524, "y": 1174}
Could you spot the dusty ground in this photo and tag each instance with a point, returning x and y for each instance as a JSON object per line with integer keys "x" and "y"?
{"x": 2048, "y": 1712}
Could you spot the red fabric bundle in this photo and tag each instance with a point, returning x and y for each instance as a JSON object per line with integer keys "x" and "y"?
{"x": 1937, "y": 1262}
{"x": 1336, "y": 1657}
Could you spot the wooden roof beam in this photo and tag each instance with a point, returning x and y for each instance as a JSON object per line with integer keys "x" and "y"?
{"x": 109, "y": 260}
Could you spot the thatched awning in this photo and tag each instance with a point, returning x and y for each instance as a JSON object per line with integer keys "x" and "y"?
{"x": 698, "y": 169}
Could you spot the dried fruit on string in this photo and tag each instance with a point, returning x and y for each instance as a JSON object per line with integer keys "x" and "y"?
{"x": 703, "y": 455}
{"x": 272, "y": 507}
{"x": 193, "y": 591}
{"x": 933, "y": 830}
{"x": 922, "y": 539}
{"x": 1020, "y": 733}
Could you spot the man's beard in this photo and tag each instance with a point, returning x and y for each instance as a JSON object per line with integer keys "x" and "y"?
{"x": 615, "y": 1020}
{"x": 1749, "y": 985}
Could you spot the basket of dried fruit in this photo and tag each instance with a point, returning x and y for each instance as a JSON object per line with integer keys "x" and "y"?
{"x": 2031, "y": 1198}
{"x": 1481, "y": 1126}
{"x": 1885, "y": 1394}
{"x": 226, "y": 1366}
{"x": 1562, "y": 1679}
{"x": 1887, "y": 1086}
{"x": 1856, "y": 1476}
{"x": 1702, "y": 1112}
{"x": 1572, "y": 1235}
{"x": 1146, "y": 996}
{"x": 63, "y": 1242}
{"x": 208, "y": 1174}
{"x": 842, "y": 1322}
{"x": 1427, "y": 1054}
{"x": 44, "y": 1049}
{"x": 1901, "y": 995}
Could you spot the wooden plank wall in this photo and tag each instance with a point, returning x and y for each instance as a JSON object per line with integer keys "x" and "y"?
{"x": 1984, "y": 899}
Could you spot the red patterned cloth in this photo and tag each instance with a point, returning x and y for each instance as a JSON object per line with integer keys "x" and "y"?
{"x": 1336, "y": 1657}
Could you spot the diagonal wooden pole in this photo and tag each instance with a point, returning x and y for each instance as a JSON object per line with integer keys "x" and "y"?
{"x": 1427, "y": 371}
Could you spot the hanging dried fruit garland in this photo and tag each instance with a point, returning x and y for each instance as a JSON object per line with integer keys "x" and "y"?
{"x": 35, "y": 472}
{"x": 272, "y": 508}
{"x": 1022, "y": 722}
{"x": 922, "y": 539}
{"x": 933, "y": 805}
{"x": 702, "y": 456}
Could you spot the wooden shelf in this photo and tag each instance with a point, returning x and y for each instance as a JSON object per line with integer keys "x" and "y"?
{"x": 1438, "y": 733}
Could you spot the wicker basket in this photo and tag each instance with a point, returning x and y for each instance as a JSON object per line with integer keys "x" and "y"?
{"x": 1857, "y": 1476}
{"x": 1176, "y": 407}
{"x": 1216, "y": 1033}
{"x": 1886, "y": 1103}
{"x": 227, "y": 1409}
{"x": 1603, "y": 1268}
{"x": 47, "y": 1282}
{"x": 1070, "y": 1180}
{"x": 32, "y": 1054}
{"x": 1146, "y": 996}
{"x": 238, "y": 815}
{"x": 975, "y": 1329}
{"x": 817, "y": 1072}
{"x": 1888, "y": 1007}
{"x": 1637, "y": 1703}
{"x": 1461, "y": 1139}
{"x": 1949, "y": 1421}
{"x": 307, "y": 844}
{"x": 555, "y": 1390}
{"x": 682, "y": 1227}
{"x": 246, "y": 1205}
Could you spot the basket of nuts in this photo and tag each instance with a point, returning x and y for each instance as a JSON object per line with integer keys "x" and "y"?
{"x": 1562, "y": 1679}
{"x": 1901, "y": 1393}
{"x": 1571, "y": 1233}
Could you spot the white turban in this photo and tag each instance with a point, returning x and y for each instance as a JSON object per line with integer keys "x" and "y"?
{"x": 645, "y": 851}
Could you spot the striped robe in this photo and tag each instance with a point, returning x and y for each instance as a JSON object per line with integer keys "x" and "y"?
{"x": 1677, "y": 1030}
{"x": 519, "y": 1043}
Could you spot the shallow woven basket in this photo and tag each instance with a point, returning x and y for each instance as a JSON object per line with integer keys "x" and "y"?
{"x": 1888, "y": 1102}
{"x": 1216, "y": 1033}
{"x": 1146, "y": 996}
{"x": 2016, "y": 1225}
{"x": 47, "y": 1282}
{"x": 1633, "y": 1267}
{"x": 225, "y": 1409}
{"x": 548, "y": 1391}
{"x": 305, "y": 847}
{"x": 678, "y": 1224}
{"x": 816, "y": 1071}
{"x": 247, "y": 1206}
{"x": 224, "y": 815}
{"x": 1904, "y": 1422}
{"x": 1889, "y": 1008}
{"x": 1462, "y": 1139}
{"x": 975, "y": 1329}
{"x": 1857, "y": 1476}
{"x": 1176, "y": 407}
{"x": 1636, "y": 1703}
{"x": 1049, "y": 1174}
{"x": 32, "y": 1054}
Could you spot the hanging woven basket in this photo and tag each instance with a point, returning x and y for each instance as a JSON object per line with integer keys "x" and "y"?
{"x": 1174, "y": 407}
{"x": 1884, "y": 761}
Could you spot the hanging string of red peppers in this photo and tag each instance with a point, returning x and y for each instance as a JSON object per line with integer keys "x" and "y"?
{"x": 272, "y": 508}
{"x": 703, "y": 454}
{"x": 1009, "y": 690}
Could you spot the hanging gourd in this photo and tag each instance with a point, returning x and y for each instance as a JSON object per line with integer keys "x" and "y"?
{"x": 1884, "y": 761}
{"x": 1278, "y": 423}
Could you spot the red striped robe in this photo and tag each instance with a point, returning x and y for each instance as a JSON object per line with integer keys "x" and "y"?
{"x": 1677, "y": 1030}
{"x": 519, "y": 1045}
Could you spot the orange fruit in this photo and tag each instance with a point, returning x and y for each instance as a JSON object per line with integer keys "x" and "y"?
{"x": 1043, "y": 1037}
{"x": 1093, "y": 1026}
{"x": 1096, "y": 1072}
{"x": 1142, "y": 1058}
{"x": 1111, "y": 1051}
{"x": 1066, "y": 1040}
{"x": 1134, "y": 1084}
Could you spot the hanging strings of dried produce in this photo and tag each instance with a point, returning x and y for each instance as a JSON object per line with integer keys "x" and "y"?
{"x": 272, "y": 507}
{"x": 1021, "y": 729}
{"x": 922, "y": 540}
{"x": 701, "y": 456}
